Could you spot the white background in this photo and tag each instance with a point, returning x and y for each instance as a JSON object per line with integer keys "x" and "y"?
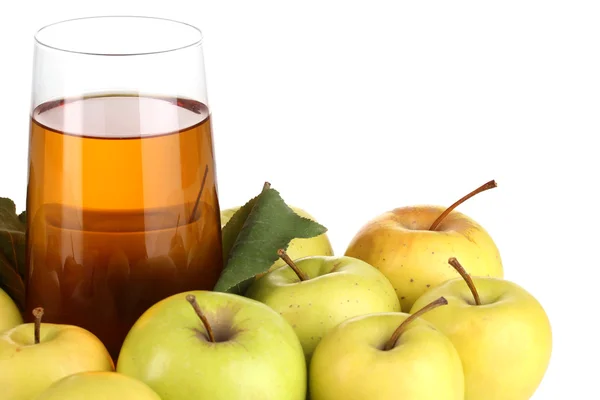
{"x": 350, "y": 109}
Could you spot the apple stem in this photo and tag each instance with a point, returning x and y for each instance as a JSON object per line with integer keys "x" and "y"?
{"x": 489, "y": 185}
{"x": 38, "y": 313}
{"x": 284, "y": 256}
{"x": 194, "y": 210}
{"x": 72, "y": 247}
{"x": 192, "y": 300}
{"x": 266, "y": 186}
{"x": 391, "y": 343}
{"x": 465, "y": 275}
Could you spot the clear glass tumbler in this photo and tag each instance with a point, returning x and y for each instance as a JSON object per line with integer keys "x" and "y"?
{"x": 122, "y": 198}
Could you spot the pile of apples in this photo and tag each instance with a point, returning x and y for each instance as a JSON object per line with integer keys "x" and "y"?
{"x": 417, "y": 309}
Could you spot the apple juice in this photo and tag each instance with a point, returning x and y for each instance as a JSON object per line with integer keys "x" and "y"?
{"x": 122, "y": 207}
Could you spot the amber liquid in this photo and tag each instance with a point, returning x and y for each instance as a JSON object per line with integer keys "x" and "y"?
{"x": 123, "y": 209}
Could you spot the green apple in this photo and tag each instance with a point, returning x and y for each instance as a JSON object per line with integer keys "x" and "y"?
{"x": 385, "y": 356}
{"x": 411, "y": 246}
{"x": 299, "y": 247}
{"x": 211, "y": 345}
{"x": 10, "y": 316}
{"x": 33, "y": 356}
{"x": 98, "y": 386}
{"x": 227, "y": 214}
{"x": 316, "y": 293}
{"x": 500, "y": 331}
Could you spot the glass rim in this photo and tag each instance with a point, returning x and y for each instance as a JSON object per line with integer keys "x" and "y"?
{"x": 192, "y": 43}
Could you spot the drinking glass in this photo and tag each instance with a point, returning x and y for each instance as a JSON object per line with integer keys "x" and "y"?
{"x": 122, "y": 199}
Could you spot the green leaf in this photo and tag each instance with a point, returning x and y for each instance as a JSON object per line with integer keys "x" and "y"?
{"x": 23, "y": 217}
{"x": 12, "y": 251}
{"x": 252, "y": 237}
{"x": 11, "y": 282}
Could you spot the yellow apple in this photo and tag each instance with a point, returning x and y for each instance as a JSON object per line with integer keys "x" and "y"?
{"x": 411, "y": 246}
{"x": 299, "y": 247}
{"x": 98, "y": 386}
{"x": 385, "y": 356}
{"x": 9, "y": 313}
{"x": 314, "y": 294}
{"x": 500, "y": 331}
{"x": 217, "y": 346}
{"x": 34, "y": 356}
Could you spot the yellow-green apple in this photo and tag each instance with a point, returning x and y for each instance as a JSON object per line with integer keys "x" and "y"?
{"x": 98, "y": 386}
{"x": 218, "y": 346}
{"x": 316, "y": 293}
{"x": 411, "y": 246}
{"x": 500, "y": 331}
{"x": 10, "y": 316}
{"x": 298, "y": 247}
{"x": 33, "y": 356}
{"x": 385, "y": 356}
{"x": 227, "y": 214}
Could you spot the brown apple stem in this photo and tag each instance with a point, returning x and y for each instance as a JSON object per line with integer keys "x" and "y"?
{"x": 193, "y": 214}
{"x": 192, "y": 300}
{"x": 391, "y": 343}
{"x": 489, "y": 185}
{"x": 284, "y": 256}
{"x": 72, "y": 247}
{"x": 266, "y": 186}
{"x": 38, "y": 313}
{"x": 465, "y": 275}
